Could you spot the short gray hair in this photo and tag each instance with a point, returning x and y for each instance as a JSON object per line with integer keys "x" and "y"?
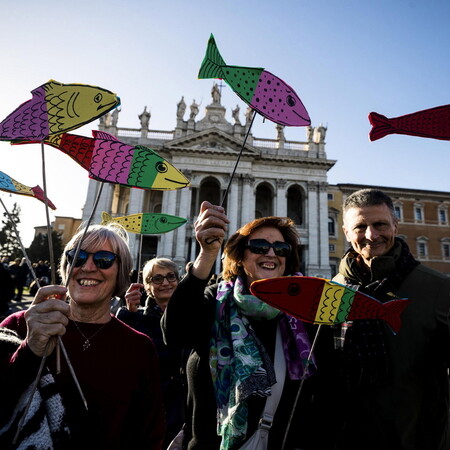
{"x": 368, "y": 197}
{"x": 165, "y": 263}
{"x": 96, "y": 236}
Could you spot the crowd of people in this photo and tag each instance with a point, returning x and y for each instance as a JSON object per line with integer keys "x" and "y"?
{"x": 15, "y": 276}
{"x": 196, "y": 362}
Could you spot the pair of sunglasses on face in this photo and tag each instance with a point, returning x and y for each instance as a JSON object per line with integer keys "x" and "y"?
{"x": 262, "y": 247}
{"x": 159, "y": 279}
{"x": 103, "y": 259}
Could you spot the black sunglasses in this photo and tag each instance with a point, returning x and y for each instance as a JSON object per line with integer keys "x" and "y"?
{"x": 262, "y": 247}
{"x": 159, "y": 279}
{"x": 102, "y": 259}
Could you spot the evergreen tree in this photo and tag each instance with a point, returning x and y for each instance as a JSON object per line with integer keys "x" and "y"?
{"x": 39, "y": 248}
{"x": 9, "y": 242}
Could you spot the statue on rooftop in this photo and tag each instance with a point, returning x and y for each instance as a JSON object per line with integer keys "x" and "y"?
{"x": 145, "y": 119}
{"x": 215, "y": 93}
{"x": 181, "y": 108}
{"x": 235, "y": 114}
{"x": 115, "y": 117}
{"x": 194, "y": 110}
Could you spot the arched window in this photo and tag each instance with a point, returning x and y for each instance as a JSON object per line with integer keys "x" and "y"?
{"x": 295, "y": 204}
{"x": 152, "y": 201}
{"x": 209, "y": 191}
{"x": 263, "y": 201}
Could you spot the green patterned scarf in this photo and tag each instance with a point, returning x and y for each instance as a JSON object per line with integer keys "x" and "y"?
{"x": 240, "y": 366}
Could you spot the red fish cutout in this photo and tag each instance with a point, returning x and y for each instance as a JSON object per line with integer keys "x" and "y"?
{"x": 321, "y": 301}
{"x": 429, "y": 123}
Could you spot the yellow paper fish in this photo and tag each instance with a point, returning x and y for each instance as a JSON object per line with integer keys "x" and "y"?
{"x": 56, "y": 108}
{"x": 146, "y": 223}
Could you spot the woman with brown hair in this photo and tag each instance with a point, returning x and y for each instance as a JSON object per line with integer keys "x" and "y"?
{"x": 231, "y": 370}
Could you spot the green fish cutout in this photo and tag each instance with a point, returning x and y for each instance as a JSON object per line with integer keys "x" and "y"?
{"x": 146, "y": 223}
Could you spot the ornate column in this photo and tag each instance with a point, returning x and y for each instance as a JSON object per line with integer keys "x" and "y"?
{"x": 135, "y": 207}
{"x": 104, "y": 202}
{"x": 181, "y": 250}
{"x": 234, "y": 206}
{"x": 324, "y": 251}
{"x": 281, "y": 205}
{"x": 170, "y": 203}
{"x": 312, "y": 263}
{"x": 248, "y": 199}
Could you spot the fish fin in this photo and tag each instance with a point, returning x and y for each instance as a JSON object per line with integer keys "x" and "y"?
{"x": 213, "y": 62}
{"x": 103, "y": 135}
{"x": 49, "y": 86}
{"x": 381, "y": 126}
{"x": 106, "y": 218}
{"x": 392, "y": 311}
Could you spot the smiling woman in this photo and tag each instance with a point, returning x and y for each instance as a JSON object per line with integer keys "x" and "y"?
{"x": 160, "y": 276}
{"x": 98, "y": 345}
{"x": 233, "y": 334}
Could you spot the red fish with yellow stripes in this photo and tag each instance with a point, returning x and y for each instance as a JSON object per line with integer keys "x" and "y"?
{"x": 321, "y": 301}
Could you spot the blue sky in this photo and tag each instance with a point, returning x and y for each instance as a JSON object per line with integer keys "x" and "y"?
{"x": 344, "y": 59}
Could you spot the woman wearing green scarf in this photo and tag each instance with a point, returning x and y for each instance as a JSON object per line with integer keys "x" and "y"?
{"x": 230, "y": 370}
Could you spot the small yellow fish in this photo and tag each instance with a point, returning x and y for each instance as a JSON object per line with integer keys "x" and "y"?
{"x": 146, "y": 223}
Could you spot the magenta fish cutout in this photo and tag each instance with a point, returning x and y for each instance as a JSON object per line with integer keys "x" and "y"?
{"x": 321, "y": 301}
{"x": 429, "y": 123}
{"x": 56, "y": 108}
{"x": 110, "y": 160}
{"x": 9, "y": 184}
{"x": 261, "y": 90}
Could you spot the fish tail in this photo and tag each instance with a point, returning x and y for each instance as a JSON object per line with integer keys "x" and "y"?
{"x": 381, "y": 126}
{"x": 213, "y": 62}
{"x": 40, "y": 195}
{"x": 392, "y": 311}
{"x": 106, "y": 218}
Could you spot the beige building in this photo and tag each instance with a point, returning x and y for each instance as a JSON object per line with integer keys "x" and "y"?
{"x": 66, "y": 226}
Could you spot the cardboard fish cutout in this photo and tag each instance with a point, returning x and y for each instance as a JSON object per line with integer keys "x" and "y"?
{"x": 429, "y": 123}
{"x": 146, "y": 223}
{"x": 108, "y": 159}
{"x": 8, "y": 184}
{"x": 269, "y": 95}
{"x": 56, "y": 108}
{"x": 321, "y": 301}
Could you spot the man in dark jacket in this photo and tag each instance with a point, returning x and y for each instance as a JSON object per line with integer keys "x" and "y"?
{"x": 394, "y": 388}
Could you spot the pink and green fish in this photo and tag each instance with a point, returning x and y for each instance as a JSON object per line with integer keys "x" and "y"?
{"x": 9, "y": 184}
{"x": 321, "y": 301}
{"x": 110, "y": 160}
{"x": 56, "y": 108}
{"x": 261, "y": 90}
{"x": 146, "y": 223}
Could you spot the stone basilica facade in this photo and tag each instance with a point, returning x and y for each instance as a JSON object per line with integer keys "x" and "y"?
{"x": 274, "y": 177}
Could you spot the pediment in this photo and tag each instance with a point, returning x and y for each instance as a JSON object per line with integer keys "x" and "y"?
{"x": 211, "y": 140}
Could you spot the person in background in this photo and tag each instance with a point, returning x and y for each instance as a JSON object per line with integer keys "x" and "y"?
{"x": 394, "y": 388}
{"x": 161, "y": 277}
{"x": 98, "y": 346}
{"x": 231, "y": 370}
{"x": 6, "y": 291}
